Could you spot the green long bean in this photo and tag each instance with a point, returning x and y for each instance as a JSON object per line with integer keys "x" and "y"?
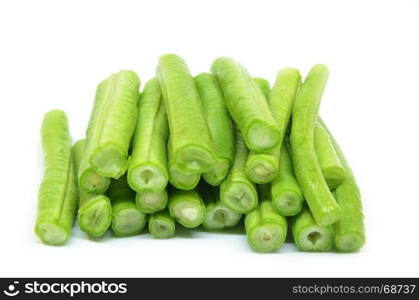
{"x": 95, "y": 211}
{"x": 57, "y": 200}
{"x": 320, "y": 200}
{"x": 246, "y": 105}
{"x": 350, "y": 229}
{"x": 147, "y": 170}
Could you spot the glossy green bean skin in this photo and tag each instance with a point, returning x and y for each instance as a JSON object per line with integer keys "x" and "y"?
{"x": 246, "y": 105}
{"x": 57, "y": 200}
{"x": 147, "y": 170}
{"x": 112, "y": 125}
{"x": 307, "y": 169}
{"x": 266, "y": 230}
{"x": 220, "y": 126}
{"x": 95, "y": 211}
{"x": 127, "y": 219}
{"x": 237, "y": 191}
{"x": 193, "y": 149}
{"x": 308, "y": 236}
{"x": 287, "y": 198}
{"x": 282, "y": 97}
{"x": 332, "y": 169}
{"x": 161, "y": 225}
{"x": 350, "y": 229}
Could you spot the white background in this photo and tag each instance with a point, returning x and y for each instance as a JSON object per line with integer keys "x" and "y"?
{"x": 53, "y": 53}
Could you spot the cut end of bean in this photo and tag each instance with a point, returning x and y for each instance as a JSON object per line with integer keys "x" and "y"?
{"x": 183, "y": 181}
{"x": 329, "y": 216}
{"x": 189, "y": 214}
{"x": 315, "y": 239}
{"x": 266, "y": 237}
{"x": 288, "y": 204}
{"x": 128, "y": 222}
{"x": 261, "y": 171}
{"x": 221, "y": 217}
{"x": 217, "y": 174}
{"x": 161, "y": 229}
{"x": 151, "y": 202}
{"x": 262, "y": 137}
{"x": 95, "y": 217}
{"x": 240, "y": 197}
{"x": 194, "y": 159}
{"x": 335, "y": 176}
{"x": 108, "y": 161}
{"x": 51, "y": 233}
{"x": 92, "y": 182}
{"x": 145, "y": 178}
{"x": 349, "y": 242}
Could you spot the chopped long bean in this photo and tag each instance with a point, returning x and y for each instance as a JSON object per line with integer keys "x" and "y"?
{"x": 177, "y": 177}
{"x": 219, "y": 215}
{"x": 263, "y": 167}
{"x": 147, "y": 170}
{"x": 161, "y": 225}
{"x": 151, "y": 202}
{"x": 246, "y": 105}
{"x": 57, "y": 201}
{"x": 193, "y": 149}
{"x": 112, "y": 125}
{"x": 307, "y": 169}
{"x": 287, "y": 198}
{"x": 95, "y": 211}
{"x": 308, "y": 236}
{"x": 127, "y": 219}
{"x": 332, "y": 169}
{"x": 349, "y": 230}
{"x": 237, "y": 191}
{"x": 220, "y": 126}
{"x": 187, "y": 207}
{"x": 266, "y": 230}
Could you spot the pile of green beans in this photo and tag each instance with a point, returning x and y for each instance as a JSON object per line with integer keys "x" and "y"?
{"x": 221, "y": 150}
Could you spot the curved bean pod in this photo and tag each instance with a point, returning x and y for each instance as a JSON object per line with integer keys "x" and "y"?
{"x": 332, "y": 169}
{"x": 350, "y": 229}
{"x": 307, "y": 169}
